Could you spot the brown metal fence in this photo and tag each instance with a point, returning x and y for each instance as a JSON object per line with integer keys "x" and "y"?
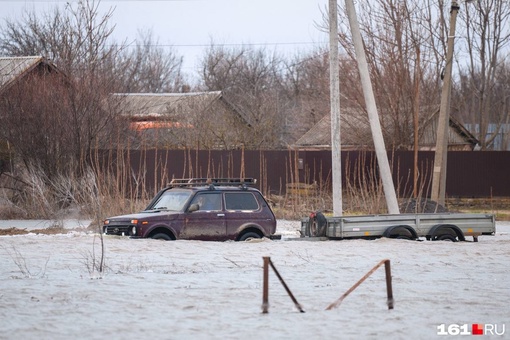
{"x": 470, "y": 174}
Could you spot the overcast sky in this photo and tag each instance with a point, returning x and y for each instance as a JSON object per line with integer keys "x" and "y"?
{"x": 287, "y": 26}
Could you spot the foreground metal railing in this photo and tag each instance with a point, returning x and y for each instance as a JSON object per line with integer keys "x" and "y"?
{"x": 265, "y": 294}
{"x": 335, "y": 304}
{"x": 389, "y": 289}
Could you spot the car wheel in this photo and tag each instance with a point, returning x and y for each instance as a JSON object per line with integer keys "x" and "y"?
{"x": 249, "y": 235}
{"x": 161, "y": 236}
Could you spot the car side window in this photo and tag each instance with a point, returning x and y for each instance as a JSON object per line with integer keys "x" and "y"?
{"x": 208, "y": 201}
{"x": 241, "y": 201}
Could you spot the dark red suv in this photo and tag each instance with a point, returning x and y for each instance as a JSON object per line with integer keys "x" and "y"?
{"x": 214, "y": 209}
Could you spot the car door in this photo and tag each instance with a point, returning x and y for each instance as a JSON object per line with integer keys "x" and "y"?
{"x": 208, "y": 222}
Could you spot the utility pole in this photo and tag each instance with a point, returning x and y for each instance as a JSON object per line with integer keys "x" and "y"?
{"x": 375, "y": 124}
{"x": 439, "y": 174}
{"x": 334, "y": 89}
{"x": 417, "y": 74}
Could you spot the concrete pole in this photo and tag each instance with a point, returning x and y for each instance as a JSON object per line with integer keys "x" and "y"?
{"x": 375, "y": 125}
{"x": 438, "y": 192}
{"x": 416, "y": 119}
{"x": 334, "y": 88}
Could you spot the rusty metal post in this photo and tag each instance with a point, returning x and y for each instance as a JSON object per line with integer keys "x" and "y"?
{"x": 265, "y": 287}
{"x": 296, "y": 303}
{"x": 389, "y": 288}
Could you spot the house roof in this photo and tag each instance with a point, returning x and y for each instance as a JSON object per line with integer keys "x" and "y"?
{"x": 13, "y": 68}
{"x": 356, "y": 133}
{"x": 457, "y": 133}
{"x": 156, "y": 104}
{"x": 354, "y": 129}
{"x": 169, "y": 106}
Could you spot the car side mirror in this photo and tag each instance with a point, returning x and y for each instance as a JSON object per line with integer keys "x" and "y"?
{"x": 193, "y": 207}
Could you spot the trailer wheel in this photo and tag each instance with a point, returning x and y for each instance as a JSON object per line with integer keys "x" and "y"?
{"x": 403, "y": 232}
{"x": 446, "y": 237}
{"x": 317, "y": 224}
{"x": 446, "y": 233}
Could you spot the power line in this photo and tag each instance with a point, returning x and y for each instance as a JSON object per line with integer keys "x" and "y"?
{"x": 226, "y": 44}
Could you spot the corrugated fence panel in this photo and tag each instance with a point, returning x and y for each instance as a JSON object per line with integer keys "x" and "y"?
{"x": 469, "y": 174}
{"x": 478, "y": 174}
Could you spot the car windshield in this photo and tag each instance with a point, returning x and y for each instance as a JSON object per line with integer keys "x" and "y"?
{"x": 172, "y": 200}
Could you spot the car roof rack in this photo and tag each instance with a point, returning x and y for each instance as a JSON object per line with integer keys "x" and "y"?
{"x": 212, "y": 182}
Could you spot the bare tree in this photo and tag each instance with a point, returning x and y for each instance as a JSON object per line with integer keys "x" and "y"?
{"x": 78, "y": 39}
{"x": 55, "y": 123}
{"x": 399, "y": 33}
{"x": 75, "y": 38}
{"x": 252, "y": 80}
{"x": 307, "y": 91}
{"x": 76, "y": 111}
{"x": 402, "y": 56}
{"x": 150, "y": 68}
{"x": 484, "y": 84}
{"x": 34, "y": 118}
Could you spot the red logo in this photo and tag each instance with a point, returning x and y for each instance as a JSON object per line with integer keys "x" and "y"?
{"x": 477, "y": 329}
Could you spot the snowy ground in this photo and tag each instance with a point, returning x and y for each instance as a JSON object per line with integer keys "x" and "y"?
{"x": 213, "y": 290}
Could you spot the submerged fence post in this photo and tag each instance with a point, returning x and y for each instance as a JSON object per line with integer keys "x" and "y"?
{"x": 265, "y": 293}
{"x": 265, "y": 289}
{"x": 389, "y": 290}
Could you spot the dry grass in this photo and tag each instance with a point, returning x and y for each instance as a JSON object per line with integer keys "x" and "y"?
{"x": 53, "y": 230}
{"x": 102, "y": 191}
{"x": 13, "y": 231}
{"x": 499, "y": 206}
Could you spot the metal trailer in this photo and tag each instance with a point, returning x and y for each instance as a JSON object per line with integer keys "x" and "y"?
{"x": 436, "y": 226}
